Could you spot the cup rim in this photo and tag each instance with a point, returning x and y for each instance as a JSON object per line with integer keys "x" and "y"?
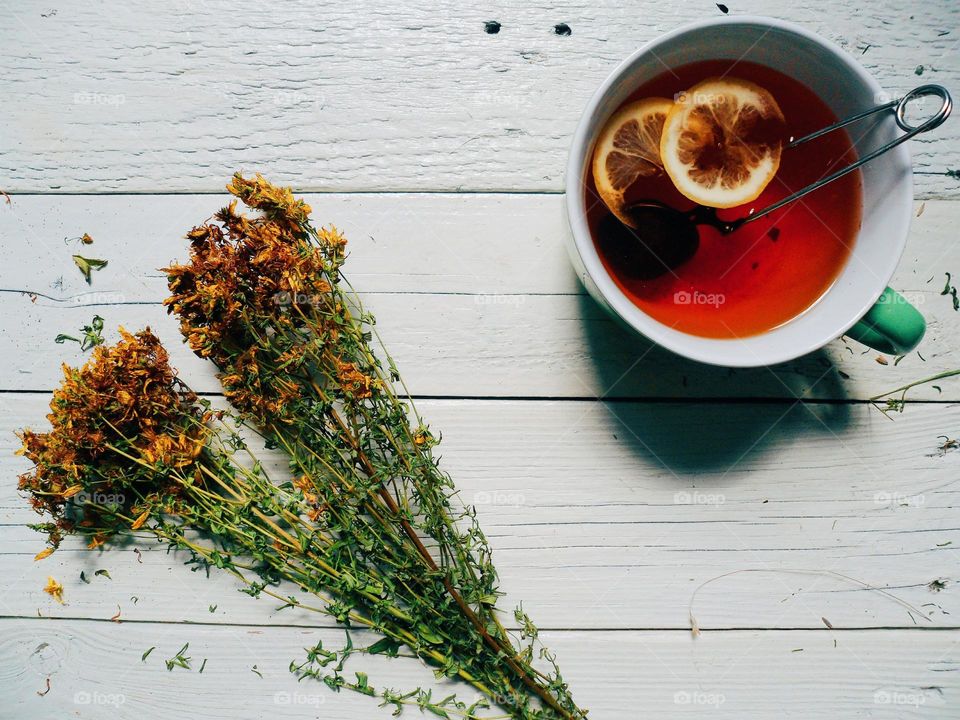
{"x": 621, "y": 305}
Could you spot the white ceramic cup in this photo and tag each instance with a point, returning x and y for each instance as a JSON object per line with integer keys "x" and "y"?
{"x": 861, "y": 288}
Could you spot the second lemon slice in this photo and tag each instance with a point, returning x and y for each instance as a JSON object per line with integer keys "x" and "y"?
{"x": 628, "y": 149}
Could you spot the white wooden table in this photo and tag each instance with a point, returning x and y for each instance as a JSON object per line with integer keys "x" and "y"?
{"x": 612, "y": 478}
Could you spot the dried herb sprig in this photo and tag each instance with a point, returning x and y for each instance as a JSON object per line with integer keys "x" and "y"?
{"x": 132, "y": 449}
{"x": 366, "y": 523}
{"x": 263, "y": 298}
{"x": 896, "y": 404}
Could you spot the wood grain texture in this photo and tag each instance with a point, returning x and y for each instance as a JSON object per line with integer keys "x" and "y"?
{"x": 474, "y": 296}
{"x": 610, "y": 516}
{"x": 95, "y": 672}
{"x": 151, "y": 97}
{"x": 690, "y": 489}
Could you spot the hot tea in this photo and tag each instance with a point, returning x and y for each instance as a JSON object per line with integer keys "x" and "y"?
{"x": 760, "y": 275}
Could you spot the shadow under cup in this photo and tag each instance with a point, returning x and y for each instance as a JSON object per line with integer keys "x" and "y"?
{"x": 847, "y": 89}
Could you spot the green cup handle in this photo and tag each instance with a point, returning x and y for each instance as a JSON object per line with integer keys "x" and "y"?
{"x": 892, "y": 325}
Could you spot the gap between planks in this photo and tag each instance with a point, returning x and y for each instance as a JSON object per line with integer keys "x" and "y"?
{"x": 513, "y": 628}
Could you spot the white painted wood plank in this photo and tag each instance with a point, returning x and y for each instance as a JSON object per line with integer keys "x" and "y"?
{"x": 371, "y": 96}
{"x": 473, "y": 293}
{"x": 856, "y": 674}
{"x": 611, "y": 516}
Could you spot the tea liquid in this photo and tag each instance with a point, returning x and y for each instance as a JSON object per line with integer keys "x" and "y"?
{"x": 771, "y": 270}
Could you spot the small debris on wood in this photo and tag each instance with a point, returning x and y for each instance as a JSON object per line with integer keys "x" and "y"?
{"x": 918, "y": 70}
{"x": 491, "y": 27}
{"x": 936, "y": 585}
{"x": 41, "y": 694}
{"x": 86, "y": 239}
{"x": 116, "y": 618}
{"x": 54, "y": 590}
{"x": 951, "y": 290}
{"x": 92, "y": 335}
{"x": 827, "y": 623}
{"x": 955, "y": 174}
{"x": 179, "y": 660}
{"x": 87, "y": 265}
{"x": 562, "y": 29}
{"x": 139, "y": 555}
{"x": 947, "y": 445}
{"x": 147, "y": 653}
{"x": 723, "y": 8}
{"x": 881, "y": 359}
{"x": 6, "y": 197}
{"x": 923, "y": 206}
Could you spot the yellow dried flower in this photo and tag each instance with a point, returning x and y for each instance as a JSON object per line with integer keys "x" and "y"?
{"x": 138, "y": 523}
{"x": 54, "y": 589}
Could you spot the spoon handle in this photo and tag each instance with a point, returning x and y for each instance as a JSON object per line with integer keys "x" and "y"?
{"x": 946, "y": 106}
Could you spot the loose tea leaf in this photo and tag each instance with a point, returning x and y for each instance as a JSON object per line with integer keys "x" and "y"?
{"x": 92, "y": 335}
{"x": 87, "y": 265}
{"x": 179, "y": 660}
{"x": 950, "y": 290}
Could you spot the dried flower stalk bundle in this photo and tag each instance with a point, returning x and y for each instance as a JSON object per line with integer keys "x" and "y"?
{"x": 365, "y": 522}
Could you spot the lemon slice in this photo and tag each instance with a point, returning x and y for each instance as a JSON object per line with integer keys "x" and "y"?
{"x": 629, "y": 149}
{"x": 721, "y": 142}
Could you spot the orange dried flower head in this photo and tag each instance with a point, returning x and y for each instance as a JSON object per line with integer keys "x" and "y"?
{"x": 353, "y": 382}
{"x": 251, "y": 289}
{"x": 277, "y": 202}
{"x": 119, "y": 424}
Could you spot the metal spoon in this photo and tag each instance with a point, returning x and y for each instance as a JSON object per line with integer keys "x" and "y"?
{"x": 663, "y": 237}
